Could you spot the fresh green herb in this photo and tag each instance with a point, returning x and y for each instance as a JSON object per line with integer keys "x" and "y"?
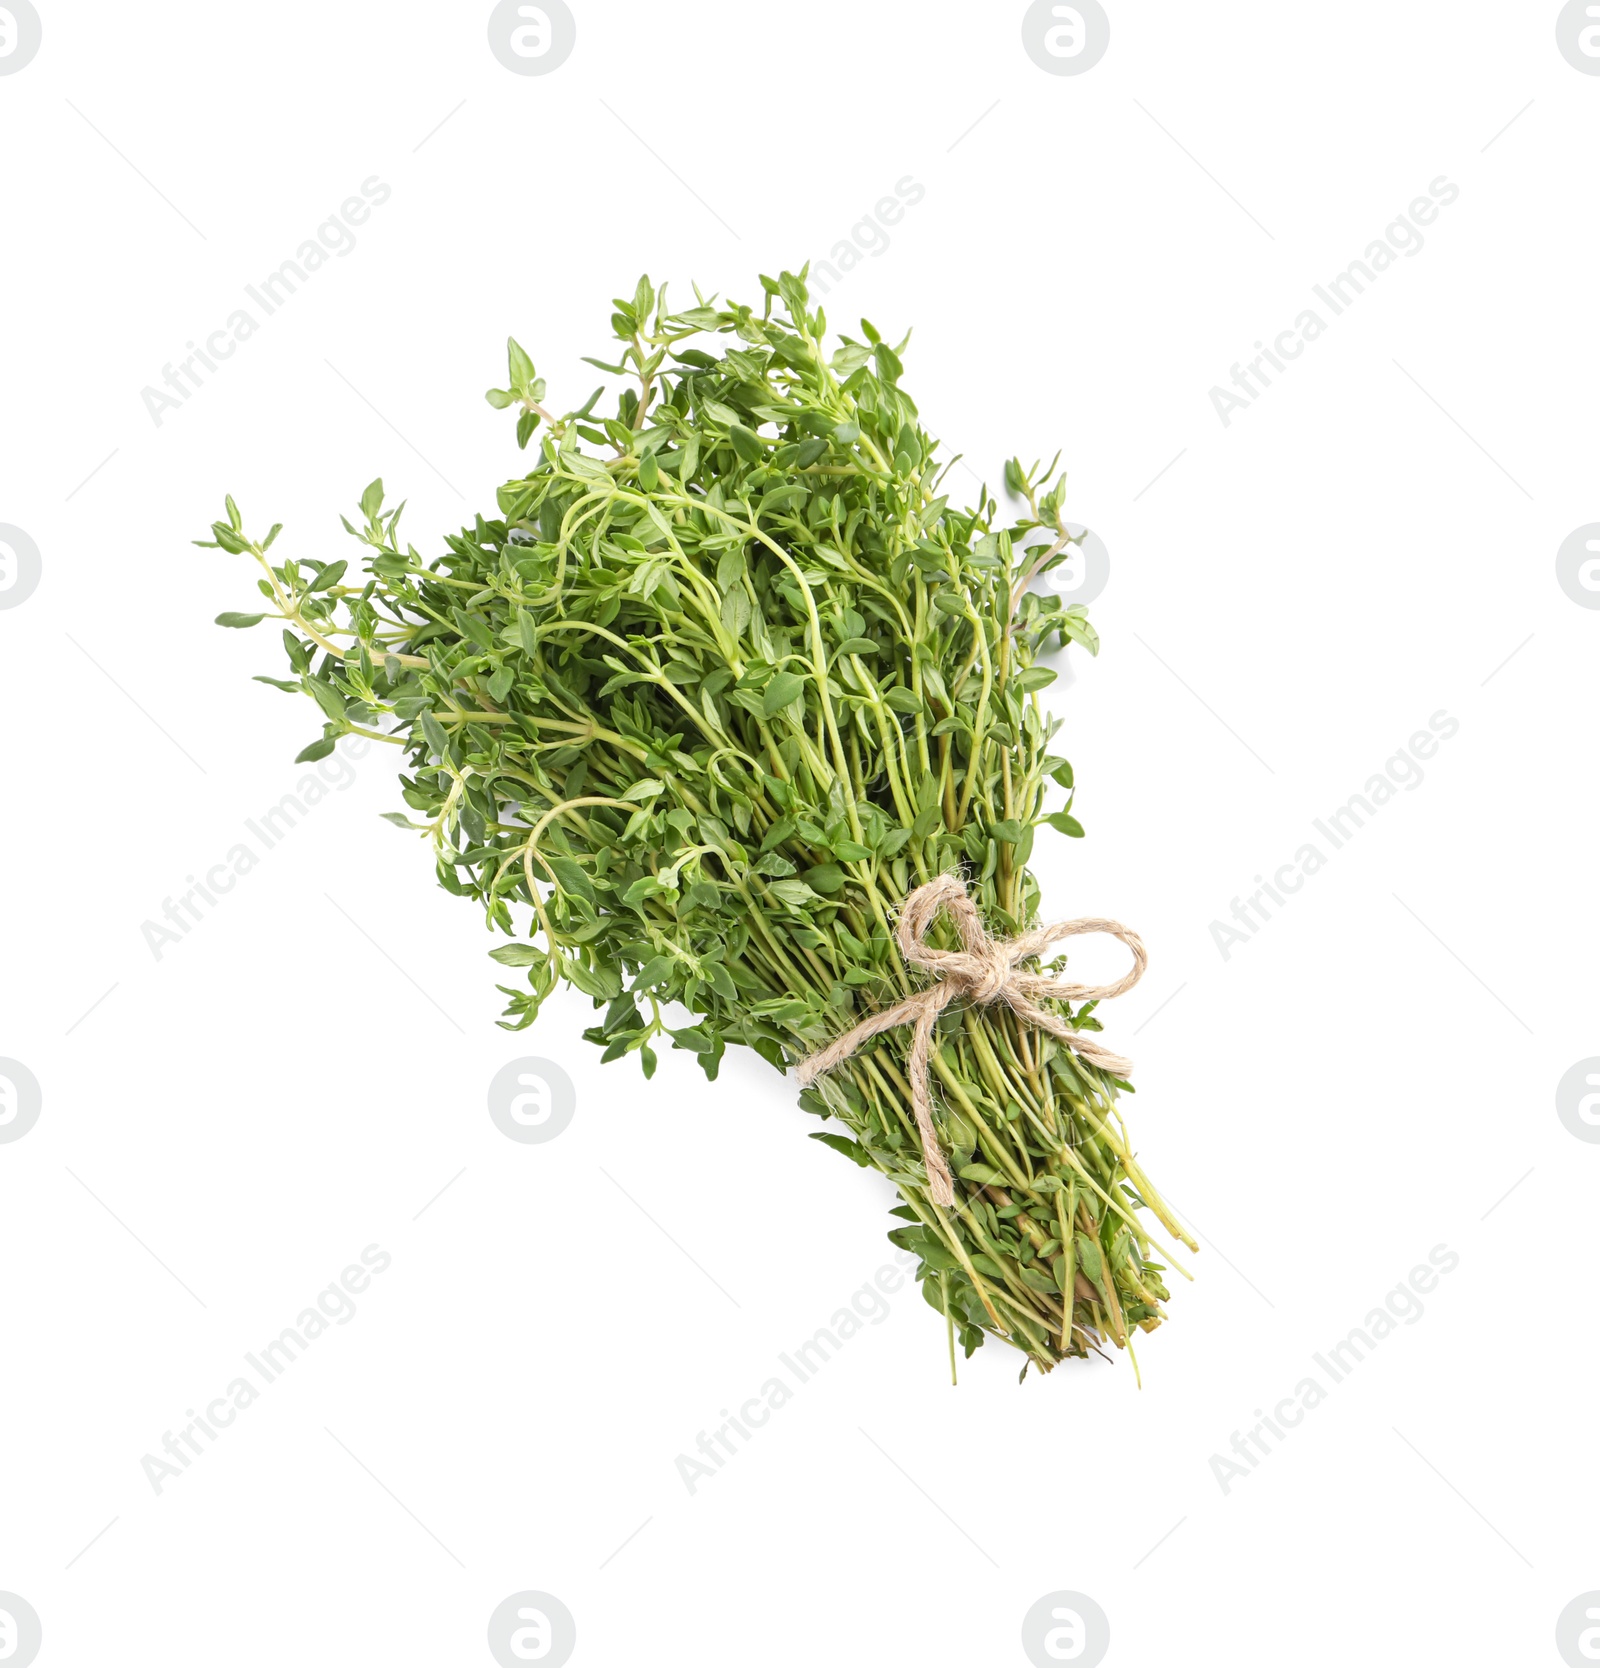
{"x": 725, "y": 677}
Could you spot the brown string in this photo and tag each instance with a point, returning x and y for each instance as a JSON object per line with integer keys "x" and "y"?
{"x": 984, "y": 970}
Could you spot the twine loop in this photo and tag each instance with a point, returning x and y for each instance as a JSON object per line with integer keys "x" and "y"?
{"x": 984, "y": 970}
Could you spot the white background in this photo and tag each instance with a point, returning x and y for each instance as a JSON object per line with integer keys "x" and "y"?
{"x": 226, "y": 1127}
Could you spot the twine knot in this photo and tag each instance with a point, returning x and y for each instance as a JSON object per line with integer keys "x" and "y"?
{"x": 984, "y": 970}
{"x": 996, "y": 967}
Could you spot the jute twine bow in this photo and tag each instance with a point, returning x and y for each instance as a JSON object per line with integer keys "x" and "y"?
{"x": 985, "y": 970}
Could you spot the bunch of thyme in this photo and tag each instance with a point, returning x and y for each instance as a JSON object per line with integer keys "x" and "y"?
{"x": 725, "y": 677}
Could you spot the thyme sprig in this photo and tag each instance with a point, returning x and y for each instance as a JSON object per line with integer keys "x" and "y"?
{"x": 722, "y": 679}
